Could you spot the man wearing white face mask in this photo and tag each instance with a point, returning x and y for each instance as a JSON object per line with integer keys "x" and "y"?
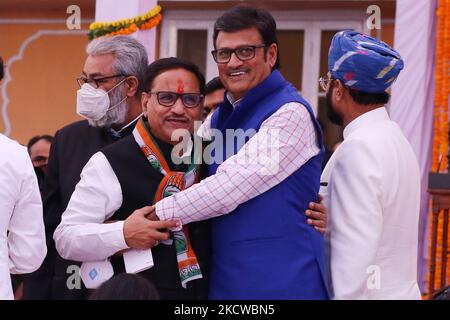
{"x": 109, "y": 99}
{"x": 101, "y": 107}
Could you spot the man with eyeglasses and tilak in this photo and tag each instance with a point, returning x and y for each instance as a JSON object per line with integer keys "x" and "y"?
{"x": 262, "y": 244}
{"x": 109, "y": 98}
{"x": 105, "y": 225}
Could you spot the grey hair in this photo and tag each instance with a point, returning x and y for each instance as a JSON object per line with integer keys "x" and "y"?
{"x": 130, "y": 56}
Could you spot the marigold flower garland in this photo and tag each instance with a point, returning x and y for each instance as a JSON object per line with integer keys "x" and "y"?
{"x": 126, "y": 26}
{"x": 441, "y": 127}
{"x": 442, "y": 89}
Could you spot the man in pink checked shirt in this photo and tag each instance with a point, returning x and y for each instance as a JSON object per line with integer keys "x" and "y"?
{"x": 263, "y": 247}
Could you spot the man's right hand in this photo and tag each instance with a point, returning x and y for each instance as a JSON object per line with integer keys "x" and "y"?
{"x": 142, "y": 233}
{"x": 318, "y": 215}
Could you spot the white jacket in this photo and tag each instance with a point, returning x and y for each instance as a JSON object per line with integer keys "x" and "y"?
{"x": 22, "y": 234}
{"x": 373, "y": 198}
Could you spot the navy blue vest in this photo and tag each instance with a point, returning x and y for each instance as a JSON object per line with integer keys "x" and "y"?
{"x": 265, "y": 249}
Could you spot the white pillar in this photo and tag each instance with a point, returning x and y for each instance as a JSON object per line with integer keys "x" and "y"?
{"x": 112, "y": 10}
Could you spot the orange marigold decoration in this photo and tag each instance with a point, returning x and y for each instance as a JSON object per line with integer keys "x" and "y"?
{"x": 441, "y": 128}
{"x": 126, "y": 26}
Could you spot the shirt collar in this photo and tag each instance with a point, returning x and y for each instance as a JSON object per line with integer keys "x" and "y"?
{"x": 365, "y": 120}
{"x": 233, "y": 102}
{"x": 119, "y": 133}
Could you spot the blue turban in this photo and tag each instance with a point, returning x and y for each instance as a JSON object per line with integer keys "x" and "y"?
{"x": 363, "y": 63}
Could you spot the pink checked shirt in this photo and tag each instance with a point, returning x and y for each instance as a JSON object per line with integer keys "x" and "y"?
{"x": 286, "y": 140}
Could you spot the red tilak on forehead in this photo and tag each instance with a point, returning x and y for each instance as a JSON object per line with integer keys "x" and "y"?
{"x": 180, "y": 89}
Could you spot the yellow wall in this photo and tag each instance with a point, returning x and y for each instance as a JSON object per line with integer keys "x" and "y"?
{"x": 42, "y": 90}
{"x": 42, "y": 93}
{"x": 43, "y": 87}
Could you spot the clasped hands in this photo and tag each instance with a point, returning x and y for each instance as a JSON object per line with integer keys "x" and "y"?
{"x": 143, "y": 229}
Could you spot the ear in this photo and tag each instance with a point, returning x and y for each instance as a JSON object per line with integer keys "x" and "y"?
{"x": 132, "y": 84}
{"x": 272, "y": 54}
{"x": 339, "y": 90}
{"x": 144, "y": 103}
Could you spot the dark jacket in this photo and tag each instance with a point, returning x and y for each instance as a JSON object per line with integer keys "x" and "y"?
{"x": 139, "y": 182}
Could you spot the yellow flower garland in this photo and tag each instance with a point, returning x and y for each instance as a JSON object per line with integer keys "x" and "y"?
{"x": 126, "y": 26}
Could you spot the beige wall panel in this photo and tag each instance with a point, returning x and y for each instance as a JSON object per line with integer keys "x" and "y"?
{"x": 42, "y": 92}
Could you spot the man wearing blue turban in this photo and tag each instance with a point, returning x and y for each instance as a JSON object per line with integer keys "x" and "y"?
{"x": 373, "y": 177}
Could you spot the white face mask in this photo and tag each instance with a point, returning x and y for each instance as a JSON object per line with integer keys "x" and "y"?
{"x": 93, "y": 104}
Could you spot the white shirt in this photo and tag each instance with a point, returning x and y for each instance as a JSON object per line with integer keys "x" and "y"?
{"x": 82, "y": 236}
{"x": 22, "y": 233}
{"x": 96, "y": 198}
{"x": 373, "y": 197}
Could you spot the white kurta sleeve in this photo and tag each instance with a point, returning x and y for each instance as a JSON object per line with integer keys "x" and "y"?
{"x": 355, "y": 220}
{"x": 82, "y": 234}
{"x": 26, "y": 237}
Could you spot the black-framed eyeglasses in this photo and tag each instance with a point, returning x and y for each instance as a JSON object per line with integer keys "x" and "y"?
{"x": 243, "y": 53}
{"x": 97, "y": 81}
{"x": 323, "y": 82}
{"x": 168, "y": 98}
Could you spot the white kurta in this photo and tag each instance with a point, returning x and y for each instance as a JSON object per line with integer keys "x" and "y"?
{"x": 22, "y": 234}
{"x": 373, "y": 197}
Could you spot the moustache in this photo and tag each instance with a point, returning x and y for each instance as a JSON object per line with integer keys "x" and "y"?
{"x": 180, "y": 119}
{"x": 230, "y": 71}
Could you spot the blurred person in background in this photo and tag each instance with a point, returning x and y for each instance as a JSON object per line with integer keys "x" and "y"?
{"x": 126, "y": 286}
{"x": 214, "y": 93}
{"x": 39, "y": 150}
